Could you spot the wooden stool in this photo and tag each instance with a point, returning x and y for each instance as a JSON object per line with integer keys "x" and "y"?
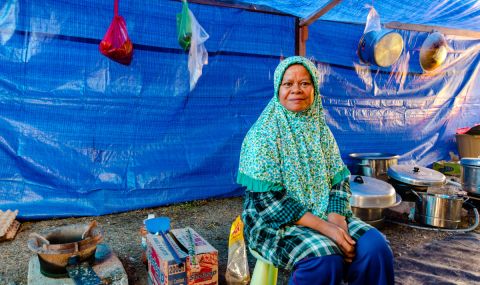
{"x": 265, "y": 273}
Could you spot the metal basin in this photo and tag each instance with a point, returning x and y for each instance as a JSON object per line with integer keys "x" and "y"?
{"x": 374, "y": 164}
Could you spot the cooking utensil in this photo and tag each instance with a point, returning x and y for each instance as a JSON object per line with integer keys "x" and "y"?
{"x": 374, "y": 164}
{"x": 380, "y": 47}
{"x": 416, "y": 175}
{"x": 161, "y": 225}
{"x": 406, "y": 178}
{"x": 439, "y": 210}
{"x": 368, "y": 192}
{"x": 57, "y": 246}
{"x": 370, "y": 196}
{"x": 433, "y": 52}
{"x": 471, "y": 174}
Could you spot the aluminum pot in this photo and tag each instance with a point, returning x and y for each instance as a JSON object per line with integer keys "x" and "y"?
{"x": 439, "y": 210}
{"x": 370, "y": 197}
{"x": 471, "y": 175}
{"x": 406, "y": 178}
{"x": 374, "y": 164}
{"x": 380, "y": 47}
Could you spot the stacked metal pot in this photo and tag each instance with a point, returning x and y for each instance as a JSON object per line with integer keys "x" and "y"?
{"x": 441, "y": 208}
{"x": 370, "y": 197}
{"x": 371, "y": 193}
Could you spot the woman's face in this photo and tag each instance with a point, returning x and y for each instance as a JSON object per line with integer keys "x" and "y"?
{"x": 296, "y": 91}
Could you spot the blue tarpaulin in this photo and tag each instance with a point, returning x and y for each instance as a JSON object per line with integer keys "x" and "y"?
{"x": 83, "y": 135}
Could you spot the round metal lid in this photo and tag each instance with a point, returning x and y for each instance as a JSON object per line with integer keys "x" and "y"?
{"x": 470, "y": 161}
{"x": 416, "y": 175}
{"x": 373, "y": 155}
{"x": 368, "y": 192}
{"x": 388, "y": 49}
{"x": 433, "y": 52}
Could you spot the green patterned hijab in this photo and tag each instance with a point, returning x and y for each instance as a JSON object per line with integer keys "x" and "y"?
{"x": 292, "y": 150}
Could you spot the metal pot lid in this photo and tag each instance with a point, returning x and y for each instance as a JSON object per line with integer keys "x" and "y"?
{"x": 416, "y": 175}
{"x": 470, "y": 161}
{"x": 433, "y": 52}
{"x": 368, "y": 192}
{"x": 441, "y": 196}
{"x": 374, "y": 155}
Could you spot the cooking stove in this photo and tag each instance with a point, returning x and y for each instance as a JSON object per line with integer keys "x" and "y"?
{"x": 72, "y": 254}
{"x": 405, "y": 190}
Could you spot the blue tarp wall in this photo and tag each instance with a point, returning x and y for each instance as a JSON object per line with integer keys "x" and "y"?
{"x": 83, "y": 135}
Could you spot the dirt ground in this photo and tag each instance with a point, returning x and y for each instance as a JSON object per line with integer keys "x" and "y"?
{"x": 211, "y": 218}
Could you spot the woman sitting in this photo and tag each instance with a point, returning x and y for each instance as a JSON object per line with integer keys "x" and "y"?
{"x": 296, "y": 211}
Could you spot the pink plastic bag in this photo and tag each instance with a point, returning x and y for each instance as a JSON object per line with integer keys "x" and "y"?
{"x": 116, "y": 44}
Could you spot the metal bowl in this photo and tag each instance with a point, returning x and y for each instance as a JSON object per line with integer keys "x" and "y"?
{"x": 374, "y": 164}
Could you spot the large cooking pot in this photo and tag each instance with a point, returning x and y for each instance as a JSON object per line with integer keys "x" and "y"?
{"x": 406, "y": 178}
{"x": 370, "y": 197}
{"x": 471, "y": 175}
{"x": 374, "y": 164}
{"x": 439, "y": 210}
{"x": 60, "y": 246}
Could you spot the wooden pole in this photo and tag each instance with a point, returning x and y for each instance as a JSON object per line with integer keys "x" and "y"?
{"x": 301, "y": 27}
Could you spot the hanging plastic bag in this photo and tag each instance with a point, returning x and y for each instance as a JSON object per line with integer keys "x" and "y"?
{"x": 116, "y": 44}
{"x": 184, "y": 27}
{"x": 373, "y": 21}
{"x": 8, "y": 20}
{"x": 237, "y": 266}
{"x": 198, "y": 55}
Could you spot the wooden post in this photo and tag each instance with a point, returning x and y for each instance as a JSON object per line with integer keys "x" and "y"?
{"x": 301, "y": 27}
{"x": 303, "y": 37}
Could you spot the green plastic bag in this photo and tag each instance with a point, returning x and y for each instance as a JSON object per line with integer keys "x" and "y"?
{"x": 184, "y": 27}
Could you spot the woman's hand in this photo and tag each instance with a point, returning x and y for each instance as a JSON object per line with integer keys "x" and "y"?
{"x": 333, "y": 231}
{"x": 349, "y": 247}
{"x": 342, "y": 239}
{"x": 338, "y": 220}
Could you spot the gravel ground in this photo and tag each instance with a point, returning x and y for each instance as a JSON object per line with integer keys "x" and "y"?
{"x": 211, "y": 218}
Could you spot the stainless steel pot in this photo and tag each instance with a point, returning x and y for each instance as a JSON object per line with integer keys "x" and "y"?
{"x": 371, "y": 216}
{"x": 370, "y": 197}
{"x": 471, "y": 175}
{"x": 406, "y": 178}
{"x": 374, "y": 164}
{"x": 438, "y": 210}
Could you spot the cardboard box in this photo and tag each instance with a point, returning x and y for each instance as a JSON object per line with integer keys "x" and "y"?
{"x": 468, "y": 145}
{"x": 163, "y": 269}
{"x": 452, "y": 168}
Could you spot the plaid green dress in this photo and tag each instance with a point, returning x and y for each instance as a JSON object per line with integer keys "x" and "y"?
{"x": 290, "y": 164}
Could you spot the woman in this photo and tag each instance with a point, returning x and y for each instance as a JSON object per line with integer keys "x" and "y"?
{"x": 296, "y": 211}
